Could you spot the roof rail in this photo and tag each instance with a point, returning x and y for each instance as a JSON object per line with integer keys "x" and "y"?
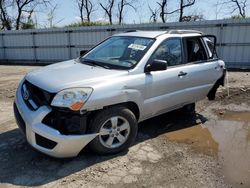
{"x": 183, "y": 32}
{"x": 132, "y": 30}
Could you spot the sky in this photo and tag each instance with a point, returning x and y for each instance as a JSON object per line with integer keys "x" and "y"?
{"x": 67, "y": 12}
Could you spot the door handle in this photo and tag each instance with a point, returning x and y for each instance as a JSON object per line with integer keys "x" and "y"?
{"x": 182, "y": 74}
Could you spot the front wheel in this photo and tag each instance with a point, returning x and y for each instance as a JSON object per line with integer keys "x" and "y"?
{"x": 117, "y": 128}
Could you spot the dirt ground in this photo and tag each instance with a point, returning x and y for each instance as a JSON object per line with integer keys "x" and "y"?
{"x": 209, "y": 149}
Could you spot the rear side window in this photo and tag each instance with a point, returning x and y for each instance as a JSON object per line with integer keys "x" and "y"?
{"x": 210, "y": 44}
{"x": 195, "y": 50}
{"x": 170, "y": 51}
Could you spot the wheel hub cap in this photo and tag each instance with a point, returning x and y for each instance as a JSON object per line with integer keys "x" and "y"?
{"x": 114, "y": 132}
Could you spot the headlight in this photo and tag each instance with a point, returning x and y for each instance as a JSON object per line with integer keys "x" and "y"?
{"x": 73, "y": 98}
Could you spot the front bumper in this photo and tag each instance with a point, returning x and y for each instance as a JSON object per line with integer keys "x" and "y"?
{"x": 36, "y": 132}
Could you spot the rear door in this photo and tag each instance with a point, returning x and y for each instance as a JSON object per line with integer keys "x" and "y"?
{"x": 201, "y": 70}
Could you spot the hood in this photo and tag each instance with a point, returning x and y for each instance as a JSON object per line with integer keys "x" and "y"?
{"x": 56, "y": 77}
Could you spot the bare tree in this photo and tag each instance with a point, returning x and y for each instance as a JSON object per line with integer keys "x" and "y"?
{"x": 163, "y": 10}
{"x": 184, "y": 4}
{"x": 239, "y": 5}
{"x": 27, "y": 21}
{"x": 121, "y": 5}
{"x": 27, "y": 6}
{"x": 217, "y": 9}
{"x": 193, "y": 17}
{"x": 153, "y": 14}
{"x": 85, "y": 7}
{"x": 163, "y": 7}
{"x": 4, "y": 17}
{"x": 51, "y": 17}
{"x": 108, "y": 8}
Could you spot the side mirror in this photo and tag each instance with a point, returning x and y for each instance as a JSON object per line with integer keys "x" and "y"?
{"x": 156, "y": 65}
{"x": 83, "y": 52}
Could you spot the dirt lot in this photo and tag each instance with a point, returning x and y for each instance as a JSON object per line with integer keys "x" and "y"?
{"x": 210, "y": 149}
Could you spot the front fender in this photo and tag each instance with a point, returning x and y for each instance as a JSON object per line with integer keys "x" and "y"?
{"x": 101, "y": 100}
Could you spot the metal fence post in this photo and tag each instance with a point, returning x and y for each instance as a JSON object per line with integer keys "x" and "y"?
{"x": 3, "y": 46}
{"x": 111, "y": 30}
{"x": 69, "y": 43}
{"x": 34, "y": 46}
{"x": 220, "y": 39}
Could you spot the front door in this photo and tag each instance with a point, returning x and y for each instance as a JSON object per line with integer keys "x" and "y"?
{"x": 165, "y": 89}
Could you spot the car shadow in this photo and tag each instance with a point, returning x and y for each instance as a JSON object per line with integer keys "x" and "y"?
{"x": 172, "y": 121}
{"x": 22, "y": 165}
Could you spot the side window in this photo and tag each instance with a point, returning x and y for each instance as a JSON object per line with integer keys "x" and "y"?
{"x": 170, "y": 51}
{"x": 195, "y": 50}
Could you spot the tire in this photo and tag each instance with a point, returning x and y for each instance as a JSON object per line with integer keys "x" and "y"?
{"x": 212, "y": 92}
{"x": 188, "y": 109}
{"x": 111, "y": 122}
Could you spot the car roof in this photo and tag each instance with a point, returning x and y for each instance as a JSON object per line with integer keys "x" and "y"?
{"x": 146, "y": 34}
{"x": 155, "y": 34}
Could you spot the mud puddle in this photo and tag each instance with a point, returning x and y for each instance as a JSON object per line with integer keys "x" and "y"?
{"x": 227, "y": 139}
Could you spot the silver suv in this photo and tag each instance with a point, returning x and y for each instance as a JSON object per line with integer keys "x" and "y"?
{"x": 99, "y": 98}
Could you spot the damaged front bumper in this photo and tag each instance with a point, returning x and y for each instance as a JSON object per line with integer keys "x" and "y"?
{"x": 43, "y": 137}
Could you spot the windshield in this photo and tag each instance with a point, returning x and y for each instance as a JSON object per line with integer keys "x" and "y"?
{"x": 118, "y": 52}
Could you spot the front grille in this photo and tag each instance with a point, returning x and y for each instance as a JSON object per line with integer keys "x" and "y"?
{"x": 44, "y": 142}
{"x": 34, "y": 96}
{"x": 19, "y": 120}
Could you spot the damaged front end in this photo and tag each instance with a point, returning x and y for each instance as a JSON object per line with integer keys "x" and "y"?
{"x": 66, "y": 121}
{"x": 55, "y": 131}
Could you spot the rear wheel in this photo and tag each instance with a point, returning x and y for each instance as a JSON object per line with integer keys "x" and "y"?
{"x": 188, "y": 109}
{"x": 117, "y": 128}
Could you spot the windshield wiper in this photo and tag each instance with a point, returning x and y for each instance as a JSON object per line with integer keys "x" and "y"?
{"x": 94, "y": 63}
